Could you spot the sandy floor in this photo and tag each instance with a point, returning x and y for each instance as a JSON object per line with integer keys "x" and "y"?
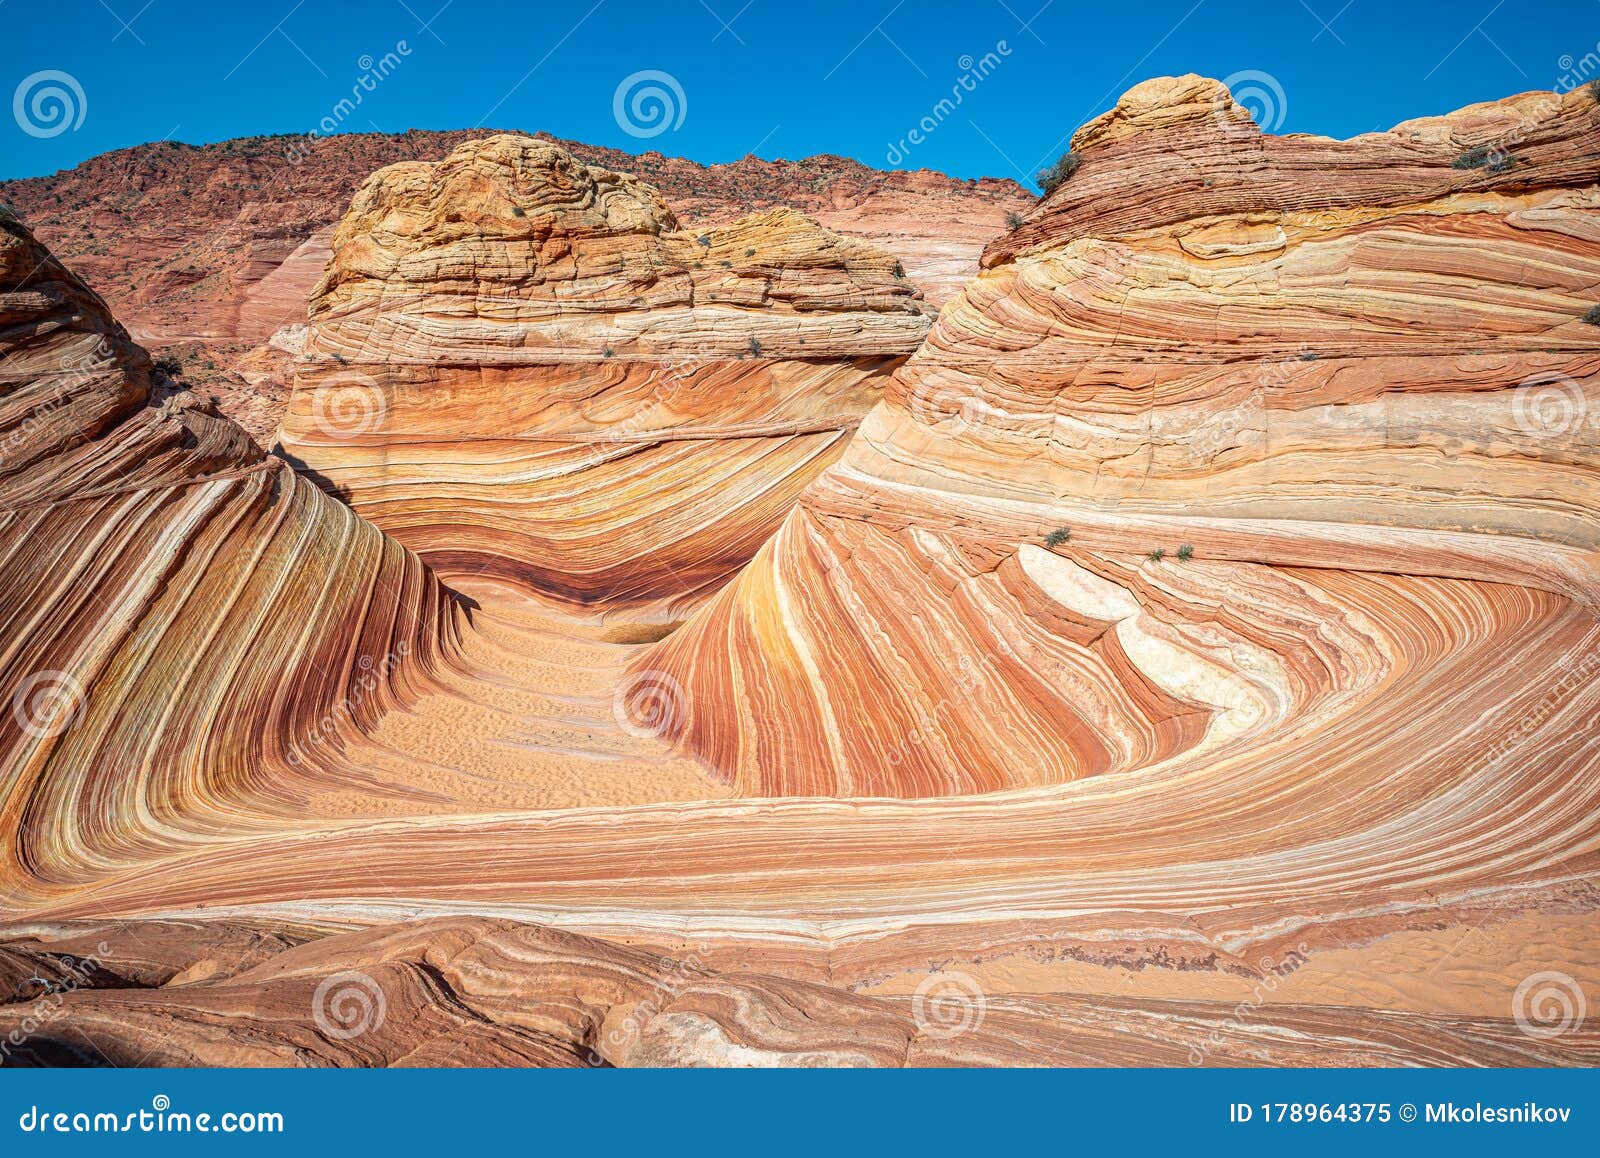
{"x": 533, "y": 728}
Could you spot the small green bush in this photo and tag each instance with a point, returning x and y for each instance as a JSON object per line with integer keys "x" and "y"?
{"x": 755, "y": 347}
{"x": 518, "y": 211}
{"x": 1592, "y": 315}
{"x": 1056, "y": 175}
{"x": 1157, "y": 555}
{"x": 1484, "y": 157}
{"x": 705, "y": 240}
{"x": 1013, "y": 221}
{"x": 608, "y": 352}
{"x": 169, "y": 365}
{"x": 1058, "y": 536}
{"x": 1594, "y": 89}
{"x": 1186, "y": 552}
{"x": 899, "y": 271}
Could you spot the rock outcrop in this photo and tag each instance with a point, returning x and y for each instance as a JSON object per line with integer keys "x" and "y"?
{"x": 470, "y": 991}
{"x": 519, "y": 366}
{"x": 1352, "y": 379}
{"x": 166, "y": 585}
{"x": 205, "y": 252}
{"x": 1191, "y": 660}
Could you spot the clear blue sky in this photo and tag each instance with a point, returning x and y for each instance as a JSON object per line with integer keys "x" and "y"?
{"x": 777, "y": 79}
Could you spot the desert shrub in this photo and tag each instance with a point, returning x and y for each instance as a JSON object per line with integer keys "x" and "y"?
{"x": 1013, "y": 221}
{"x": 705, "y": 240}
{"x": 1594, "y": 89}
{"x": 169, "y": 365}
{"x": 1056, "y": 175}
{"x": 1186, "y": 552}
{"x": 899, "y": 270}
{"x": 1484, "y": 157}
{"x": 518, "y": 211}
{"x": 755, "y": 347}
{"x": 1058, "y": 536}
{"x": 1592, "y": 315}
{"x": 1157, "y": 555}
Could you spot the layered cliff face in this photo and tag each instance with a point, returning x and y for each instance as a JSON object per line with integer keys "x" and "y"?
{"x": 1354, "y": 378}
{"x": 1010, "y": 775}
{"x": 208, "y": 252}
{"x": 166, "y": 584}
{"x": 521, "y": 368}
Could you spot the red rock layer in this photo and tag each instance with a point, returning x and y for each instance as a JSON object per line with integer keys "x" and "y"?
{"x": 208, "y": 250}
{"x": 519, "y": 367}
{"x": 1285, "y": 353}
{"x": 184, "y": 613}
{"x": 469, "y": 991}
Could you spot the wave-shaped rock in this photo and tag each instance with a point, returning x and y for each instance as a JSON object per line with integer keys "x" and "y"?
{"x": 1234, "y": 439}
{"x": 520, "y": 367}
{"x": 1003, "y": 783}
{"x": 186, "y": 614}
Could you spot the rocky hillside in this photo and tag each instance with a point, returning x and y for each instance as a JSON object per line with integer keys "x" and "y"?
{"x": 207, "y": 251}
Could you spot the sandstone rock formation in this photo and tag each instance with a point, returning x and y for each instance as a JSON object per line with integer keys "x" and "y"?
{"x": 471, "y": 991}
{"x": 521, "y": 368}
{"x": 1353, "y": 377}
{"x": 207, "y": 251}
{"x": 973, "y": 762}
